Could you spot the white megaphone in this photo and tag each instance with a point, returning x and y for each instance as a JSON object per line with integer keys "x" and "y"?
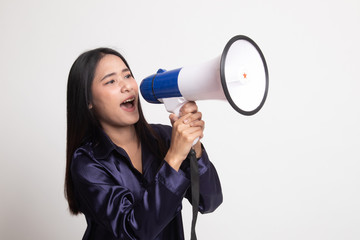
{"x": 239, "y": 75}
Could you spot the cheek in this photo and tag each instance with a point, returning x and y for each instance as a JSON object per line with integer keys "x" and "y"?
{"x": 102, "y": 100}
{"x": 96, "y": 97}
{"x": 104, "y": 107}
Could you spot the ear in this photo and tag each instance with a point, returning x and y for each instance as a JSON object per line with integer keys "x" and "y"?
{"x": 90, "y": 106}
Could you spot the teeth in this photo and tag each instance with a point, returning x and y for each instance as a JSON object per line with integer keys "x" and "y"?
{"x": 129, "y": 100}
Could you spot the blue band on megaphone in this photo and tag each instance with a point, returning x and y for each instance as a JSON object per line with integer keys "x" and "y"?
{"x": 164, "y": 84}
{"x": 146, "y": 89}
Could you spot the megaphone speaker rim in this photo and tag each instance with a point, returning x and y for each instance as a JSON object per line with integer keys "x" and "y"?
{"x": 223, "y": 77}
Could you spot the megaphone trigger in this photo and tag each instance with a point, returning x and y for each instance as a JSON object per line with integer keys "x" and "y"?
{"x": 174, "y": 105}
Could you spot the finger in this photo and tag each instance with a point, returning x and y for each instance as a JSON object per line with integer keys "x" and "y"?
{"x": 180, "y": 124}
{"x": 191, "y": 130}
{"x": 173, "y": 118}
{"x": 193, "y": 133}
{"x": 198, "y": 123}
{"x": 189, "y": 107}
{"x": 185, "y": 119}
{"x": 193, "y": 117}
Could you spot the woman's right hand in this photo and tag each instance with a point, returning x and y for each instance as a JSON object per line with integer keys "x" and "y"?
{"x": 185, "y": 130}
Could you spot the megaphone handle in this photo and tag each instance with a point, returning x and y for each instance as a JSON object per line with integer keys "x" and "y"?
{"x": 173, "y": 105}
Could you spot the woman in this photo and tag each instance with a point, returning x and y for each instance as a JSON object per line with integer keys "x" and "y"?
{"x": 126, "y": 176}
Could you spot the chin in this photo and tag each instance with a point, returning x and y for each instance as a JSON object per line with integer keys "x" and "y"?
{"x": 134, "y": 120}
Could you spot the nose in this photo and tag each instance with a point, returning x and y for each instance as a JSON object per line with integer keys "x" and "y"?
{"x": 125, "y": 86}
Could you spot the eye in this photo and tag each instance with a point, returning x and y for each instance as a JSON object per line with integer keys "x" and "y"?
{"x": 127, "y": 76}
{"x": 110, "y": 82}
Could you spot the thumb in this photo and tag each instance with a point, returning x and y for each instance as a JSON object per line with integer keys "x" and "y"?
{"x": 173, "y": 118}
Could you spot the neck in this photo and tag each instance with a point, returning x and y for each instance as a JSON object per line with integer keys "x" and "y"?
{"x": 122, "y": 136}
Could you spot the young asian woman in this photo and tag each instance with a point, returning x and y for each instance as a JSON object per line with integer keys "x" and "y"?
{"x": 126, "y": 176}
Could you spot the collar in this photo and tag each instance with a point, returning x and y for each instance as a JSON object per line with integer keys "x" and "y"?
{"x": 103, "y": 145}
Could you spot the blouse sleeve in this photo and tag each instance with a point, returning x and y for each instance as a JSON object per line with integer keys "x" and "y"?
{"x": 210, "y": 188}
{"x": 209, "y": 184}
{"x": 113, "y": 206}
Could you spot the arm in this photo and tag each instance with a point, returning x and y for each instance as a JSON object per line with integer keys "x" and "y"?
{"x": 185, "y": 129}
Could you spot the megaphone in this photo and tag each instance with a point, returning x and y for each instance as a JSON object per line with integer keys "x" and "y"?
{"x": 239, "y": 75}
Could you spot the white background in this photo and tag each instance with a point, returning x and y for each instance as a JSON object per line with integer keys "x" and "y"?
{"x": 290, "y": 172}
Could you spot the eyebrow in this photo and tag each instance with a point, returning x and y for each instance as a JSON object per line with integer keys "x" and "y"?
{"x": 114, "y": 73}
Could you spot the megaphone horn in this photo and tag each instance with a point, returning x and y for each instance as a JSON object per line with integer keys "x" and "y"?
{"x": 239, "y": 75}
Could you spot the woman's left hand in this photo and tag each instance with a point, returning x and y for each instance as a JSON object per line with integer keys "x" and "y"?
{"x": 194, "y": 121}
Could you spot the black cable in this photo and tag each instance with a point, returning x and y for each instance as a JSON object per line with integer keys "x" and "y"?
{"x": 194, "y": 174}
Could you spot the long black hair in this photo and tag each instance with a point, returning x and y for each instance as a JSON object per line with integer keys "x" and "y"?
{"x": 81, "y": 122}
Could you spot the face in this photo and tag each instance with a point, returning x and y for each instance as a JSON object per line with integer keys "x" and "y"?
{"x": 114, "y": 93}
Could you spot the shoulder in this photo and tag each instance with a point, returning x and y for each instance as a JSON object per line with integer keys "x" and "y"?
{"x": 82, "y": 158}
{"x": 85, "y": 167}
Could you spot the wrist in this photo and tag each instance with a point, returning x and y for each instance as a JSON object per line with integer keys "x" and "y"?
{"x": 173, "y": 160}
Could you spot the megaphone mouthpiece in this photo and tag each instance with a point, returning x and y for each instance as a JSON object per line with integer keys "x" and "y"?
{"x": 161, "y": 85}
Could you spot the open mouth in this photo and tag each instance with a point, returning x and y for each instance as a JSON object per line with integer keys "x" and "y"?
{"x": 128, "y": 103}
